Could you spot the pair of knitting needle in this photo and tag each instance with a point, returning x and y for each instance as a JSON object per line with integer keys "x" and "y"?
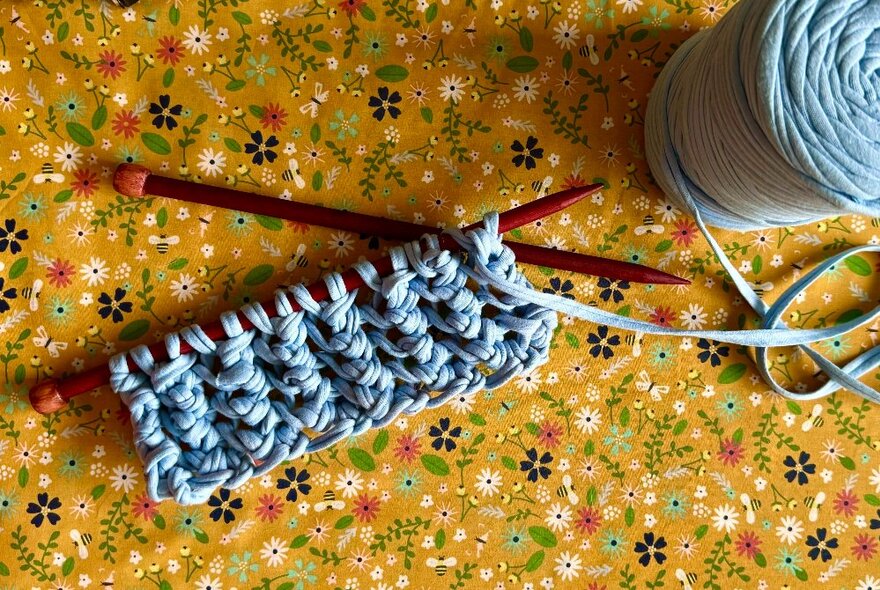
{"x": 137, "y": 181}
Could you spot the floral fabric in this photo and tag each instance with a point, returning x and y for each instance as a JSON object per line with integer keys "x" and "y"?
{"x": 626, "y": 462}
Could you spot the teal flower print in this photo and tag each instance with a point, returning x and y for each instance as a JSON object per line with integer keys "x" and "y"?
{"x": 498, "y": 49}
{"x": 661, "y": 355}
{"x": 13, "y": 399}
{"x": 617, "y": 440}
{"x": 240, "y": 223}
{"x": 409, "y": 483}
{"x": 8, "y": 502}
{"x": 241, "y": 565}
{"x": 187, "y": 521}
{"x": 60, "y": 310}
{"x": 71, "y": 106}
{"x": 675, "y": 505}
{"x": 259, "y": 69}
{"x": 787, "y": 561}
{"x": 344, "y": 126}
{"x": 613, "y": 543}
{"x": 730, "y": 407}
{"x": 837, "y": 347}
{"x": 130, "y": 154}
{"x": 656, "y": 19}
{"x": 71, "y": 464}
{"x": 32, "y": 206}
{"x": 302, "y": 574}
{"x": 516, "y": 540}
{"x": 374, "y": 45}
{"x": 597, "y": 12}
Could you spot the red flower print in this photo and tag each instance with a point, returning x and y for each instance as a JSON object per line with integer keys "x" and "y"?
{"x": 352, "y": 7}
{"x": 366, "y": 508}
{"x": 588, "y": 521}
{"x": 274, "y": 117}
{"x": 85, "y": 184}
{"x": 865, "y": 547}
{"x": 270, "y": 508}
{"x": 685, "y": 232}
{"x": 596, "y": 586}
{"x": 748, "y": 544}
{"x": 845, "y": 502}
{"x": 731, "y": 452}
{"x": 111, "y": 65}
{"x": 408, "y": 448}
{"x": 573, "y": 181}
{"x": 60, "y": 272}
{"x": 170, "y": 50}
{"x": 550, "y": 434}
{"x": 144, "y": 507}
{"x": 126, "y": 123}
{"x": 298, "y": 227}
{"x": 663, "y": 316}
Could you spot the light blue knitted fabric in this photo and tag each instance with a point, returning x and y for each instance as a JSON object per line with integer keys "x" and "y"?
{"x": 305, "y": 379}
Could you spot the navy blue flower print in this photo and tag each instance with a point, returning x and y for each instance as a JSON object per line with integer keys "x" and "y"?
{"x": 384, "y": 103}
{"x": 799, "y": 469}
{"x": 601, "y": 343}
{"x": 114, "y": 306}
{"x": 444, "y": 435}
{"x": 821, "y": 546}
{"x": 5, "y": 294}
{"x": 260, "y": 148}
{"x": 711, "y": 351}
{"x": 528, "y": 153}
{"x": 223, "y": 506}
{"x": 560, "y": 287}
{"x": 165, "y": 113}
{"x": 875, "y": 522}
{"x": 9, "y": 238}
{"x": 612, "y": 290}
{"x": 43, "y": 509}
{"x": 651, "y": 548}
{"x": 294, "y": 483}
{"x": 536, "y": 466}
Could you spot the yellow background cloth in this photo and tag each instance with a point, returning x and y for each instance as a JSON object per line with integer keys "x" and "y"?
{"x": 593, "y": 472}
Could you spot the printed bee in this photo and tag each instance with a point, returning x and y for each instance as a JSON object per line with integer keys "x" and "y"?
{"x": 43, "y": 340}
{"x": 761, "y": 288}
{"x": 441, "y": 564}
{"x": 566, "y": 490}
{"x": 298, "y": 259}
{"x": 649, "y": 227}
{"x": 814, "y": 503}
{"x": 48, "y": 175}
{"x": 635, "y": 339}
{"x": 589, "y": 50}
{"x": 319, "y": 97}
{"x": 541, "y": 186}
{"x": 750, "y": 506}
{"x": 81, "y": 542}
{"x": 329, "y": 502}
{"x": 645, "y": 384}
{"x": 875, "y": 222}
{"x": 292, "y": 174}
{"x": 32, "y": 294}
{"x": 686, "y": 578}
{"x": 163, "y": 242}
{"x": 814, "y": 419}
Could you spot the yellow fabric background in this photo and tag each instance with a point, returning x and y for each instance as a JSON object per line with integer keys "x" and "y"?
{"x": 76, "y": 93}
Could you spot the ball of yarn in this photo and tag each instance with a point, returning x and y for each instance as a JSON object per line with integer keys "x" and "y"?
{"x": 772, "y": 118}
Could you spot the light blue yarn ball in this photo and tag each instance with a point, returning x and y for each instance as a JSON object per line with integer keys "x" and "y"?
{"x": 772, "y": 118}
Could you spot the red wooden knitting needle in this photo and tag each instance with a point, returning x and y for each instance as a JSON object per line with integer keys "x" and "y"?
{"x": 136, "y": 181}
{"x": 53, "y": 394}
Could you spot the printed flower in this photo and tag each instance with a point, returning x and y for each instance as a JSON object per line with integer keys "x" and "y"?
{"x": 443, "y": 435}
{"x": 846, "y": 502}
{"x": 384, "y": 102}
{"x": 617, "y": 440}
{"x": 408, "y": 448}
{"x": 685, "y": 232}
{"x": 731, "y": 452}
{"x": 663, "y": 316}
{"x": 112, "y": 65}
{"x": 126, "y": 124}
{"x": 295, "y": 483}
{"x": 6, "y": 295}
{"x": 224, "y": 507}
{"x": 601, "y": 343}
{"x": 352, "y": 7}
{"x": 536, "y": 467}
{"x": 86, "y": 183}
{"x": 560, "y": 288}
{"x": 170, "y": 50}
{"x": 165, "y": 113}
{"x": 366, "y": 508}
{"x": 344, "y": 126}
{"x": 711, "y": 351}
{"x": 144, "y": 507}
{"x": 748, "y": 544}
{"x": 60, "y": 273}
{"x": 114, "y": 306}
{"x": 612, "y": 290}
{"x": 259, "y": 69}
{"x": 820, "y": 545}
{"x": 650, "y": 548}
{"x": 550, "y": 434}
{"x": 588, "y": 520}
{"x": 10, "y": 238}
{"x": 865, "y": 547}
{"x": 528, "y": 153}
{"x": 800, "y": 469}
{"x": 260, "y": 148}
{"x": 44, "y": 508}
{"x": 269, "y": 508}
{"x": 274, "y": 117}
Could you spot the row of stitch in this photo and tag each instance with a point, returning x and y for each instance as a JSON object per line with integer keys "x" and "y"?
{"x": 303, "y": 380}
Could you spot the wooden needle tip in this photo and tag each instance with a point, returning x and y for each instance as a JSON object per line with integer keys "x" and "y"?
{"x": 45, "y": 397}
{"x": 131, "y": 180}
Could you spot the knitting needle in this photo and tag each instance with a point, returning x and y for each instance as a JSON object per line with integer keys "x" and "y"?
{"x": 133, "y": 180}
{"x": 53, "y": 394}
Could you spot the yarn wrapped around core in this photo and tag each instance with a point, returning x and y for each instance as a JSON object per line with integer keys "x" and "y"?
{"x": 772, "y": 118}
{"x": 303, "y": 380}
